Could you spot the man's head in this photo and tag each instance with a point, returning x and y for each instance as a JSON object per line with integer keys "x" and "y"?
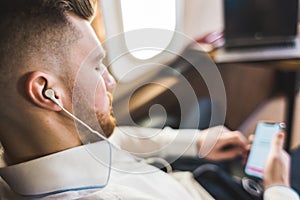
{"x": 49, "y": 44}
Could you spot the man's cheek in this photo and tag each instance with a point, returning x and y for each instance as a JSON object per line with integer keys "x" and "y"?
{"x": 102, "y": 102}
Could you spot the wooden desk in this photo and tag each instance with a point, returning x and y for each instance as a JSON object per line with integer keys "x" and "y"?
{"x": 290, "y": 69}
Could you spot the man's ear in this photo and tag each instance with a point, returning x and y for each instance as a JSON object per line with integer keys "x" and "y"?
{"x": 36, "y": 84}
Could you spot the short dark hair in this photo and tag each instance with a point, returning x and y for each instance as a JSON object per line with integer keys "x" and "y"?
{"x": 37, "y": 27}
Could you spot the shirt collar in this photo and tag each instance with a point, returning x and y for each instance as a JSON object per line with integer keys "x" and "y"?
{"x": 83, "y": 167}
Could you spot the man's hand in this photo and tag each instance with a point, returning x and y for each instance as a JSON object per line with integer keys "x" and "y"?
{"x": 277, "y": 169}
{"x": 219, "y": 143}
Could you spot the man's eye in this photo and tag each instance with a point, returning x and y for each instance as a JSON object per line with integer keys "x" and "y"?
{"x": 100, "y": 68}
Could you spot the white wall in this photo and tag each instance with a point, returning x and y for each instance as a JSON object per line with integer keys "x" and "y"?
{"x": 202, "y": 16}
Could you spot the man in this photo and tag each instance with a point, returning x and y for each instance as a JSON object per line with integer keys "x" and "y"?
{"x": 48, "y": 45}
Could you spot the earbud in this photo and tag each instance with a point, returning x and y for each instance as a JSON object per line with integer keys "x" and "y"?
{"x": 49, "y": 93}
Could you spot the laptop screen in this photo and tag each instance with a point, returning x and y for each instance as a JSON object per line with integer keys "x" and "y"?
{"x": 251, "y": 21}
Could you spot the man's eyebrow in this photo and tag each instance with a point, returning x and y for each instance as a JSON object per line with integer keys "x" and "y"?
{"x": 97, "y": 54}
{"x": 101, "y": 55}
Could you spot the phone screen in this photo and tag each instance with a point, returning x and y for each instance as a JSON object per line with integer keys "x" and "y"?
{"x": 263, "y": 136}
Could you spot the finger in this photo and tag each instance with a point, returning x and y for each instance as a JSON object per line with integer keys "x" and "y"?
{"x": 278, "y": 142}
{"x": 251, "y": 138}
{"x": 248, "y": 147}
{"x": 241, "y": 136}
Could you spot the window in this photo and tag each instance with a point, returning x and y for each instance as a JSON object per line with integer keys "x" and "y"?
{"x": 141, "y": 14}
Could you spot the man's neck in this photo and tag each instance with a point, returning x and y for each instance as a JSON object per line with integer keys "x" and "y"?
{"x": 29, "y": 142}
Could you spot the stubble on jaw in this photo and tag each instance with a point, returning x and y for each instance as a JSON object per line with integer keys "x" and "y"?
{"x": 107, "y": 121}
{"x": 103, "y": 122}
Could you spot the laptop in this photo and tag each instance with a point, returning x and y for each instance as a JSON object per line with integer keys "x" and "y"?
{"x": 259, "y": 30}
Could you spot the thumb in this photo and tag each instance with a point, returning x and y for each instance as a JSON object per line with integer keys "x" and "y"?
{"x": 278, "y": 142}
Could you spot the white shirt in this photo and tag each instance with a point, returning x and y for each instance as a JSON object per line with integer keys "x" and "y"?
{"x": 84, "y": 173}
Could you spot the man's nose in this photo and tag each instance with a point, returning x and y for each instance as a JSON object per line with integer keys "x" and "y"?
{"x": 110, "y": 81}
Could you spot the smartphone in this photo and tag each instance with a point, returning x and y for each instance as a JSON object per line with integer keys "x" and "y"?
{"x": 264, "y": 133}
